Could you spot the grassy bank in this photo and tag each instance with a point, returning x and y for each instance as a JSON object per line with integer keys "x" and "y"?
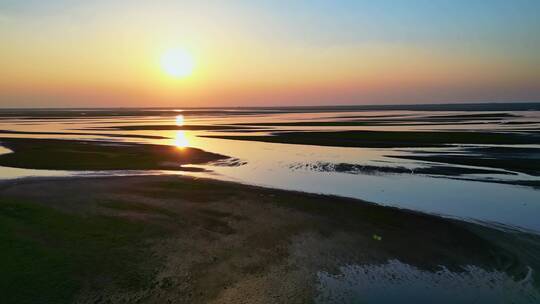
{"x": 48, "y": 255}
{"x": 161, "y": 239}
{"x": 389, "y": 139}
{"x": 93, "y": 155}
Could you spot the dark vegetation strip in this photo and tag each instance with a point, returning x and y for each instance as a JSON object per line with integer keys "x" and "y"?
{"x": 91, "y": 155}
{"x": 518, "y": 159}
{"x": 389, "y": 139}
{"x": 172, "y": 127}
{"x": 83, "y": 134}
{"x": 354, "y": 123}
{"x": 107, "y": 113}
{"x": 392, "y": 121}
{"x": 370, "y": 169}
{"x": 49, "y": 256}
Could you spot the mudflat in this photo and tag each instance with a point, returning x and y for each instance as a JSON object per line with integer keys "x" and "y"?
{"x": 171, "y": 239}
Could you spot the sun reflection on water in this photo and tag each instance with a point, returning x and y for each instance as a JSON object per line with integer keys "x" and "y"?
{"x": 180, "y": 120}
{"x": 180, "y": 140}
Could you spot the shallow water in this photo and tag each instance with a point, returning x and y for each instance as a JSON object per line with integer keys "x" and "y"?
{"x": 471, "y": 197}
{"x": 395, "y": 281}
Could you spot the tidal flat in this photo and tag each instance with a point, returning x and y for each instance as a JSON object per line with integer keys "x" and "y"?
{"x": 170, "y": 239}
{"x": 308, "y": 205}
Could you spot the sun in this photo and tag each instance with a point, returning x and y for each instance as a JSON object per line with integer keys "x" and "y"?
{"x": 177, "y": 63}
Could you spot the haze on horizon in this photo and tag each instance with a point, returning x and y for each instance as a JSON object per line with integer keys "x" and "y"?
{"x": 264, "y": 53}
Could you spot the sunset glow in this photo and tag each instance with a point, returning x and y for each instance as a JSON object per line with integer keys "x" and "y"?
{"x": 270, "y": 151}
{"x": 246, "y": 53}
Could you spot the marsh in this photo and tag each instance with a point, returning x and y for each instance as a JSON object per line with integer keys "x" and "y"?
{"x": 186, "y": 208}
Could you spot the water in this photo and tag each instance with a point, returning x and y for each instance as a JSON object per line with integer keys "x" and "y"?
{"x": 473, "y": 197}
{"x": 395, "y": 281}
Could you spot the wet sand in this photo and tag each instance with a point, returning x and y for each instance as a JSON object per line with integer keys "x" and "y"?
{"x": 170, "y": 239}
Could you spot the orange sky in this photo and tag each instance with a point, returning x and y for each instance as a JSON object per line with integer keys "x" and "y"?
{"x": 103, "y": 54}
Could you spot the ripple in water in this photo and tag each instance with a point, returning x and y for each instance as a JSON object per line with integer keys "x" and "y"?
{"x": 396, "y": 282}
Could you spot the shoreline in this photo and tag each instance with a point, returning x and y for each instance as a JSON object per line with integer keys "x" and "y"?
{"x": 85, "y": 174}
{"x": 210, "y": 241}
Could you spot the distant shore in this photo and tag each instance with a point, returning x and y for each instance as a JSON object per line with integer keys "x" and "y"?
{"x": 119, "y": 111}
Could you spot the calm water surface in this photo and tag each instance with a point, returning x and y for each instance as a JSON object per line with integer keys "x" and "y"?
{"x": 471, "y": 197}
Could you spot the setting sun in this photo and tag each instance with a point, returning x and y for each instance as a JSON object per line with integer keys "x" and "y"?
{"x": 177, "y": 63}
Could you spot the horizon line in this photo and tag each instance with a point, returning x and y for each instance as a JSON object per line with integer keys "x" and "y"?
{"x": 342, "y": 106}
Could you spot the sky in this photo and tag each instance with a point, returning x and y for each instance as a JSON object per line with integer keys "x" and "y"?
{"x": 266, "y": 53}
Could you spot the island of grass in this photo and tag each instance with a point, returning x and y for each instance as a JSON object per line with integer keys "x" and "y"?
{"x": 83, "y": 134}
{"x": 56, "y": 154}
{"x": 170, "y": 239}
{"x": 389, "y": 139}
{"x": 396, "y": 120}
{"x": 371, "y": 169}
{"x": 173, "y": 128}
{"x": 516, "y": 159}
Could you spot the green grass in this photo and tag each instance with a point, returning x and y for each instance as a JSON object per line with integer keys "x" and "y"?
{"x": 137, "y": 207}
{"x": 57, "y": 154}
{"x": 389, "y": 139}
{"x": 47, "y": 256}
